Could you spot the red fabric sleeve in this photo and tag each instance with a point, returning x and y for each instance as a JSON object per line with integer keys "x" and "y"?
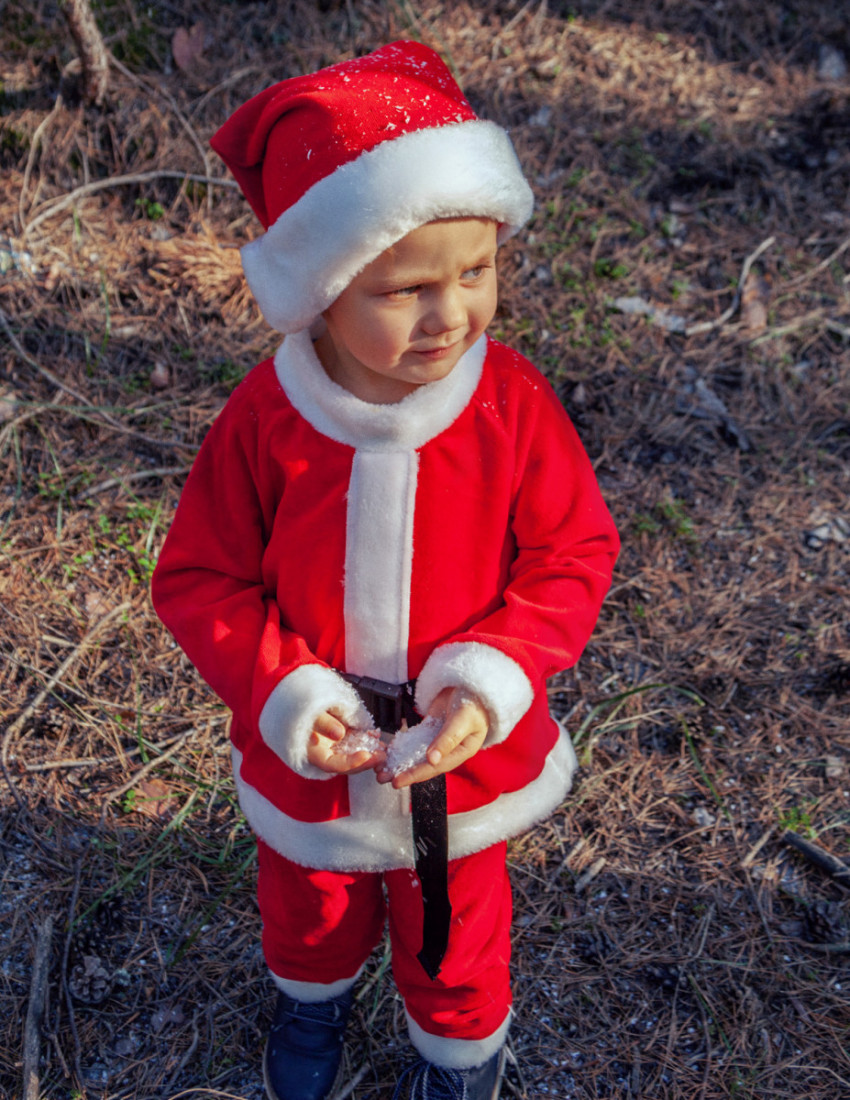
{"x": 566, "y": 546}
{"x": 208, "y": 585}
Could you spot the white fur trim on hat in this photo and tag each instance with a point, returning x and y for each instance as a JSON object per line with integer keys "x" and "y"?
{"x": 496, "y": 679}
{"x": 291, "y": 710}
{"x": 315, "y": 248}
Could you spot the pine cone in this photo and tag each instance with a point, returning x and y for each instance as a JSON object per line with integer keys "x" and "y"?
{"x": 90, "y": 981}
{"x": 823, "y": 922}
{"x": 92, "y": 977}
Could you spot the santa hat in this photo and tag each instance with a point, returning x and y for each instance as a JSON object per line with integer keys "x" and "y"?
{"x": 340, "y": 164}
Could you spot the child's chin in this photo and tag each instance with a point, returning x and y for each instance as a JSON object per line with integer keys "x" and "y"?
{"x": 433, "y": 370}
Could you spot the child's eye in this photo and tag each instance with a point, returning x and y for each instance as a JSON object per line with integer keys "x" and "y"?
{"x": 474, "y": 272}
{"x": 404, "y": 291}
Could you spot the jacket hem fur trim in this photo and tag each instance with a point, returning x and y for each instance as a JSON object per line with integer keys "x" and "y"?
{"x": 357, "y": 843}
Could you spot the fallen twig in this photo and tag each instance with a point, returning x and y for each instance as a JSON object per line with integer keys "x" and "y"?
{"x": 98, "y": 416}
{"x": 140, "y": 775}
{"x": 138, "y": 475}
{"x": 14, "y": 729}
{"x": 66, "y": 954}
{"x": 188, "y": 1054}
{"x": 831, "y": 258}
{"x": 181, "y": 118}
{"x": 352, "y": 1084}
{"x": 825, "y": 948}
{"x": 89, "y": 41}
{"x": 103, "y": 761}
{"x": 756, "y": 848}
{"x": 702, "y": 931}
{"x": 28, "y": 359}
{"x": 35, "y": 1009}
{"x": 820, "y": 857}
{"x": 584, "y": 879}
{"x": 56, "y": 206}
{"x": 33, "y": 150}
{"x": 815, "y": 316}
{"x": 710, "y": 326}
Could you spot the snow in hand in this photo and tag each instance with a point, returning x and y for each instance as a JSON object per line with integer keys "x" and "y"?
{"x": 409, "y": 746}
{"x": 360, "y": 741}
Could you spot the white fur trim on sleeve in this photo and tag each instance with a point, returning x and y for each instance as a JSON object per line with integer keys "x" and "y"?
{"x": 292, "y": 708}
{"x": 498, "y": 681}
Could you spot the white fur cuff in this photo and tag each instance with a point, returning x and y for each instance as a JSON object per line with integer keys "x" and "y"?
{"x": 498, "y": 681}
{"x": 314, "y": 992}
{"x": 457, "y": 1053}
{"x": 290, "y": 712}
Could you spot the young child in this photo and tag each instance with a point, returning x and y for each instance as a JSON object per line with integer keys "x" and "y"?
{"x": 392, "y": 519}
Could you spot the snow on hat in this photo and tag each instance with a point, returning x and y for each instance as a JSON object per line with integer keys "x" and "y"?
{"x": 340, "y": 164}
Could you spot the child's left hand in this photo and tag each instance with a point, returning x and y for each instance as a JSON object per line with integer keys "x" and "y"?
{"x": 465, "y": 727}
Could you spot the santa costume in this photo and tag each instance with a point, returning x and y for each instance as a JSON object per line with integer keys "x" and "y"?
{"x": 455, "y": 538}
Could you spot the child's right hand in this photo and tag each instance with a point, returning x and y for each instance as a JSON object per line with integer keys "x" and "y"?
{"x": 324, "y": 752}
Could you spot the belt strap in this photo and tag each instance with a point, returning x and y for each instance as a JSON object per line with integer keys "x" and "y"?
{"x": 431, "y": 843}
{"x": 389, "y": 704}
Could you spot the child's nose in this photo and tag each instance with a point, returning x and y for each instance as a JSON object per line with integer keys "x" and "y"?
{"x": 445, "y": 313}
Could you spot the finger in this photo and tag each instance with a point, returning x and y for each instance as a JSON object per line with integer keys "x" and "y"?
{"x": 419, "y": 773}
{"x": 441, "y": 704}
{"x": 460, "y": 727}
{"x": 329, "y": 726}
{"x": 365, "y": 761}
{"x": 325, "y": 757}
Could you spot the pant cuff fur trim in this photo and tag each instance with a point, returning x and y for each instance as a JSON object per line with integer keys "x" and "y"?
{"x": 457, "y": 1053}
{"x": 312, "y": 992}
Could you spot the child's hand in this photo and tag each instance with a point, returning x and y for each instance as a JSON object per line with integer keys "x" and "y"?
{"x": 464, "y": 729}
{"x": 324, "y": 751}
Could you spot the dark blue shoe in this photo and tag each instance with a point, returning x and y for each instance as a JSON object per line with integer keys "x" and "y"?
{"x": 304, "y": 1048}
{"x": 425, "y": 1081}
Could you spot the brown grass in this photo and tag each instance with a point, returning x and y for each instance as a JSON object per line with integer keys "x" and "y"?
{"x": 668, "y": 944}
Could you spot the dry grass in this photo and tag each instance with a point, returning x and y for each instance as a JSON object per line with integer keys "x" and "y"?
{"x": 668, "y": 944}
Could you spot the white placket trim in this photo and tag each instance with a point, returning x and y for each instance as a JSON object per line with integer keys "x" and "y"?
{"x": 378, "y": 563}
{"x": 378, "y": 566}
{"x": 379, "y": 520}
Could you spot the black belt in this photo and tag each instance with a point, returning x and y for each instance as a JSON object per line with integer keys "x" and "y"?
{"x": 390, "y": 704}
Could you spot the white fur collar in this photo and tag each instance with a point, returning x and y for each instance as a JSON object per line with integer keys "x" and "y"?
{"x": 338, "y": 414}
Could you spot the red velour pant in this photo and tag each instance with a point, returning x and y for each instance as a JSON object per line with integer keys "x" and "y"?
{"x": 321, "y": 926}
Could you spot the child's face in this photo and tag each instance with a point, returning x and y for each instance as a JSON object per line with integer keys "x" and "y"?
{"x": 409, "y": 316}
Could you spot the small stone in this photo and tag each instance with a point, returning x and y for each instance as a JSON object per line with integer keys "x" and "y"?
{"x": 168, "y": 1014}
{"x": 160, "y": 376}
{"x": 8, "y": 405}
{"x": 541, "y": 117}
{"x": 832, "y": 64}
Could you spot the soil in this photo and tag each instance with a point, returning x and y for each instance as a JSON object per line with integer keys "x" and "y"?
{"x": 685, "y": 285}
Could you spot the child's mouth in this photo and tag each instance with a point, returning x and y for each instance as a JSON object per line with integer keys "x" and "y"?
{"x": 437, "y": 353}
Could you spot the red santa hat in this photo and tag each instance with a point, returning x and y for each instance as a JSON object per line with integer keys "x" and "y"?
{"x": 340, "y": 164}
